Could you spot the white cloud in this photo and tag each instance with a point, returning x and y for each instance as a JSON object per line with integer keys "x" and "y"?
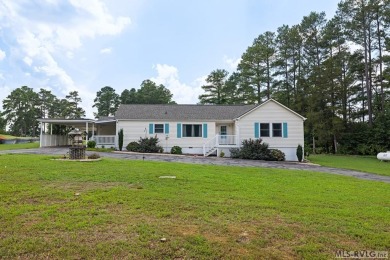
{"x": 70, "y": 55}
{"x": 231, "y": 62}
{"x": 27, "y": 60}
{"x": 2, "y": 55}
{"x": 40, "y": 41}
{"x": 182, "y": 93}
{"x": 106, "y": 51}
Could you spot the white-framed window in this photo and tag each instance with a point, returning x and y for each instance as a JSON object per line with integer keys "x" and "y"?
{"x": 264, "y": 130}
{"x": 192, "y": 130}
{"x": 277, "y": 130}
{"x": 159, "y": 128}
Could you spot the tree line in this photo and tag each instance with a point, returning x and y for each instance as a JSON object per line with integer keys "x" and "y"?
{"x": 24, "y": 106}
{"x": 334, "y": 72}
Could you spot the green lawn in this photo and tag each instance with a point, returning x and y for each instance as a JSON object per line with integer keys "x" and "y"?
{"x": 361, "y": 163}
{"x": 4, "y": 136}
{"x": 18, "y": 146}
{"x": 115, "y": 209}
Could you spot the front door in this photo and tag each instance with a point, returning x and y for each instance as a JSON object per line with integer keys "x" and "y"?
{"x": 223, "y": 133}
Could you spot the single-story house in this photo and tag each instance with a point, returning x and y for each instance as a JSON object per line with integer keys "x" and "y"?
{"x": 204, "y": 129}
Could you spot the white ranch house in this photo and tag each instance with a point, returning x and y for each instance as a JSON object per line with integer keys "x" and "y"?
{"x": 197, "y": 129}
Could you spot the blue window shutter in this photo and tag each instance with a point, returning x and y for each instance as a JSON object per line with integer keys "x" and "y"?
{"x": 285, "y": 130}
{"x": 151, "y": 126}
{"x": 178, "y": 130}
{"x": 166, "y": 128}
{"x": 257, "y": 128}
{"x": 204, "y": 130}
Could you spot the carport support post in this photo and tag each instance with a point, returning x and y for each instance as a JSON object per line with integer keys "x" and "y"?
{"x": 86, "y": 138}
{"x": 40, "y": 136}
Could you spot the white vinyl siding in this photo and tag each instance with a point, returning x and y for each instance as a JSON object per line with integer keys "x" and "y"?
{"x": 133, "y": 130}
{"x": 273, "y": 113}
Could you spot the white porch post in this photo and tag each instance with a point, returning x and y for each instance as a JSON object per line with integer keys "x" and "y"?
{"x": 116, "y": 135}
{"x": 40, "y": 137}
{"x": 237, "y": 134}
{"x": 51, "y": 134}
{"x": 86, "y": 129}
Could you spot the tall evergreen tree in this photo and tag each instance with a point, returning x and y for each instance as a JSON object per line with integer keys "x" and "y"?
{"x": 106, "y": 101}
{"x": 21, "y": 110}
{"x": 151, "y": 93}
{"x": 216, "y": 88}
{"x": 73, "y": 109}
{"x": 128, "y": 96}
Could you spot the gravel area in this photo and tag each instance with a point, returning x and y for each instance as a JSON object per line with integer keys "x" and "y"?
{"x": 213, "y": 161}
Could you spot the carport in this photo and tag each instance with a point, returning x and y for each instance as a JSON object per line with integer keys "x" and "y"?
{"x": 48, "y": 139}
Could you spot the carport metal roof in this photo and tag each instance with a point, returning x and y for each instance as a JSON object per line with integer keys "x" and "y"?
{"x": 69, "y": 122}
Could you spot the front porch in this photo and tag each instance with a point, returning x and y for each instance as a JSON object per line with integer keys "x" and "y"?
{"x": 219, "y": 142}
{"x": 104, "y": 141}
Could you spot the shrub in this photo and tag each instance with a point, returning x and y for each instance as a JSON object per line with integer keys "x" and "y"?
{"x": 256, "y": 150}
{"x": 145, "y": 145}
{"x": 120, "y": 139}
{"x": 133, "y": 147}
{"x": 176, "y": 150}
{"x": 299, "y": 153}
{"x": 91, "y": 144}
{"x": 234, "y": 153}
{"x": 221, "y": 154}
{"x": 94, "y": 156}
{"x": 277, "y": 155}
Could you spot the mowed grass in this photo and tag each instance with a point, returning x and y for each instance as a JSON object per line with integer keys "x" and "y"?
{"x": 360, "y": 163}
{"x": 19, "y": 146}
{"x": 4, "y": 136}
{"x": 115, "y": 209}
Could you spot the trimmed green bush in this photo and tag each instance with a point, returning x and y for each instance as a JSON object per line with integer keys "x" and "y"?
{"x": 91, "y": 144}
{"x": 145, "y": 145}
{"x": 133, "y": 147}
{"x": 277, "y": 155}
{"x": 299, "y": 153}
{"x": 176, "y": 150}
{"x": 120, "y": 139}
{"x": 255, "y": 149}
{"x": 234, "y": 153}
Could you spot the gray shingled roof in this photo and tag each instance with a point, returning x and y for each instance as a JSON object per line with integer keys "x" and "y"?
{"x": 105, "y": 118}
{"x": 182, "y": 112}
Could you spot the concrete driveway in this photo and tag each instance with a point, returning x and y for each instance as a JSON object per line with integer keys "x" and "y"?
{"x": 213, "y": 161}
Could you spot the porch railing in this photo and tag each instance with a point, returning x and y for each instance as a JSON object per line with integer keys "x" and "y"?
{"x": 226, "y": 140}
{"x": 106, "y": 140}
{"x": 220, "y": 141}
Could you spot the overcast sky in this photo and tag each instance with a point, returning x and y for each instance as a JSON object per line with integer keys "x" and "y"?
{"x": 84, "y": 45}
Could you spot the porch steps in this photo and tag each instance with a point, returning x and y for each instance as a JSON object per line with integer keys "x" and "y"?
{"x": 211, "y": 151}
